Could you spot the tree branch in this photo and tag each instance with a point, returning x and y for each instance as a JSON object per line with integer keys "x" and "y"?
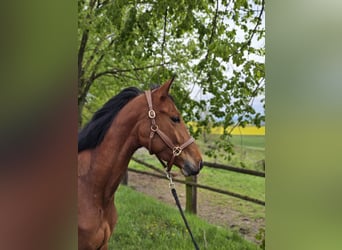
{"x": 96, "y": 50}
{"x": 214, "y": 24}
{"x": 164, "y": 35}
{"x": 117, "y": 71}
{"x": 249, "y": 40}
{"x": 257, "y": 24}
{"x": 212, "y": 34}
{"x": 250, "y": 102}
{"x": 80, "y": 56}
{"x": 82, "y": 47}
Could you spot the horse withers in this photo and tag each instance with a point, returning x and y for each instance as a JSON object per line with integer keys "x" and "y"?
{"x": 130, "y": 120}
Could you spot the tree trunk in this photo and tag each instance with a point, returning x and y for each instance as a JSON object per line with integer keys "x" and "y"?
{"x": 82, "y": 98}
{"x": 81, "y": 102}
{"x": 80, "y": 108}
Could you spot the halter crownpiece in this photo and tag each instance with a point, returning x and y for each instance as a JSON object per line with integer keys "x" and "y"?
{"x": 176, "y": 150}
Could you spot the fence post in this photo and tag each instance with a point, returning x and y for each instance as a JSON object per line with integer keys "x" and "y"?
{"x": 191, "y": 195}
{"x": 124, "y": 180}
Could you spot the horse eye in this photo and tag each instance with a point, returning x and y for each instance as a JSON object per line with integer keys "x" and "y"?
{"x": 175, "y": 119}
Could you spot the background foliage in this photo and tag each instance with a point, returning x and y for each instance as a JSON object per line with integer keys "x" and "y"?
{"x": 216, "y": 49}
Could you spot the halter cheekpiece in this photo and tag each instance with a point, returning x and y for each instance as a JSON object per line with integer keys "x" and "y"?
{"x": 176, "y": 150}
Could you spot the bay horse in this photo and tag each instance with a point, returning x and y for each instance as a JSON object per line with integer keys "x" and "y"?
{"x": 130, "y": 120}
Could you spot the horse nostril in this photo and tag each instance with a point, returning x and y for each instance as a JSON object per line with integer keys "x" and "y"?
{"x": 200, "y": 164}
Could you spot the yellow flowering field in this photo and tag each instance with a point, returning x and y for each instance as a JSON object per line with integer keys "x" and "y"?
{"x": 248, "y": 130}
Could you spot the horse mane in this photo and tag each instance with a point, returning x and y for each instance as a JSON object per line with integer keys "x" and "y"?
{"x": 94, "y": 131}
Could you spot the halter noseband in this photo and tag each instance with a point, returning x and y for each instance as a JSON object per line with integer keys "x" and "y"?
{"x": 176, "y": 150}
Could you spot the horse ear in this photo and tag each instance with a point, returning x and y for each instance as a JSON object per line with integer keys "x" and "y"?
{"x": 165, "y": 88}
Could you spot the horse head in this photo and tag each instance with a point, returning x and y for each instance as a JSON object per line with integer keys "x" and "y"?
{"x": 165, "y": 134}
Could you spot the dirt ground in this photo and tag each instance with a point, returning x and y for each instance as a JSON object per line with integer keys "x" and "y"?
{"x": 218, "y": 213}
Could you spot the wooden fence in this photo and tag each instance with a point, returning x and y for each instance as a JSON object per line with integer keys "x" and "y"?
{"x": 191, "y": 184}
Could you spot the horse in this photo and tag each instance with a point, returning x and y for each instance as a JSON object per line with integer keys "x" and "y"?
{"x": 130, "y": 120}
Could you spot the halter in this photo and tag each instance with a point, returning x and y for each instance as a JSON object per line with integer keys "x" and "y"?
{"x": 176, "y": 150}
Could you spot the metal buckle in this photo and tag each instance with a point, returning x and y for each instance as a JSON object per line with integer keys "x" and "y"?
{"x": 169, "y": 177}
{"x": 151, "y": 114}
{"x": 154, "y": 127}
{"x": 177, "y": 151}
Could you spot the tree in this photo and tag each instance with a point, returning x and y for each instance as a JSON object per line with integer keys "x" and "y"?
{"x": 216, "y": 48}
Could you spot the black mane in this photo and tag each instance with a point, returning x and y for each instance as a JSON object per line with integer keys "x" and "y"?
{"x": 93, "y": 133}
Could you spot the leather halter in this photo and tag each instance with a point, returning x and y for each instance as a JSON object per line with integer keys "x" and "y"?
{"x": 176, "y": 150}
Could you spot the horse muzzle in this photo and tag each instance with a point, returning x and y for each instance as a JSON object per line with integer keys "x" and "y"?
{"x": 190, "y": 169}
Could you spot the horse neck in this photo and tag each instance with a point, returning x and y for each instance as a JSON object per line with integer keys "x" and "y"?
{"x": 114, "y": 153}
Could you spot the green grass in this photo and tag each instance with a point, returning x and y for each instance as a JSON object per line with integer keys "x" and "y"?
{"x": 249, "y": 141}
{"x": 251, "y": 186}
{"x": 145, "y": 223}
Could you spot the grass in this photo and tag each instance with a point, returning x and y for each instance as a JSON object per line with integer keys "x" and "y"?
{"x": 249, "y": 141}
{"x": 145, "y": 223}
{"x": 251, "y": 186}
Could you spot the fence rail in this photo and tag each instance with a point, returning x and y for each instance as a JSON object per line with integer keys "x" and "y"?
{"x": 234, "y": 169}
{"x": 192, "y": 185}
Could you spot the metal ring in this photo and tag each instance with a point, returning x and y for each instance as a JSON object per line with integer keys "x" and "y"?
{"x": 154, "y": 127}
{"x": 177, "y": 151}
{"x": 151, "y": 114}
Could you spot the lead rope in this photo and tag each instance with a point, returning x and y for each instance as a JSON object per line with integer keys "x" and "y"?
{"x": 174, "y": 193}
{"x": 176, "y": 151}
